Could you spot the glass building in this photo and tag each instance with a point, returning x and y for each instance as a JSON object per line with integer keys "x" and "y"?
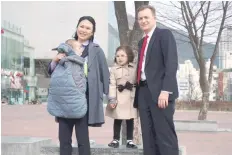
{"x": 17, "y": 69}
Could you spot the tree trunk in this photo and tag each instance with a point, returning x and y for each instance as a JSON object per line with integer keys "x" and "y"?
{"x": 123, "y": 27}
{"x": 204, "y": 107}
{"x": 137, "y": 132}
{"x": 205, "y": 92}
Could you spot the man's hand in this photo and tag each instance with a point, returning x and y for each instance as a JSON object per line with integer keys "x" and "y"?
{"x": 163, "y": 99}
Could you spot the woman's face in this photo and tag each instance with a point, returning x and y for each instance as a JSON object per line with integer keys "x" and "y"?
{"x": 121, "y": 58}
{"x": 84, "y": 30}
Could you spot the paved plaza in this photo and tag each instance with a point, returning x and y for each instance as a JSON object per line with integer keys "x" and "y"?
{"x": 33, "y": 120}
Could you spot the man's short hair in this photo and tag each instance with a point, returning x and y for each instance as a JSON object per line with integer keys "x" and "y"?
{"x": 143, "y": 7}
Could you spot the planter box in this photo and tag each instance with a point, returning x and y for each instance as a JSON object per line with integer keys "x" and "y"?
{"x": 196, "y": 125}
{"x": 102, "y": 150}
{"x": 23, "y": 145}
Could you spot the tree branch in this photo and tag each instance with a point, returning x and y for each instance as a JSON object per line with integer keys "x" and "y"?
{"x": 175, "y": 5}
{"x": 189, "y": 29}
{"x": 228, "y": 16}
{"x": 193, "y": 22}
{"x": 199, "y": 10}
{"x": 165, "y": 17}
{"x": 205, "y": 16}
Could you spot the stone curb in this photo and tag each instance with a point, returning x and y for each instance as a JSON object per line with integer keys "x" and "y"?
{"x": 23, "y": 145}
{"x": 102, "y": 150}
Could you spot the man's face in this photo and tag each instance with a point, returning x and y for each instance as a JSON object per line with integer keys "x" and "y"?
{"x": 146, "y": 20}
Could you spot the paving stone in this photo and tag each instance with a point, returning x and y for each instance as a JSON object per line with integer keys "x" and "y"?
{"x": 34, "y": 120}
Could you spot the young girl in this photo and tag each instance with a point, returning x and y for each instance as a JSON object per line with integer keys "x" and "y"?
{"x": 121, "y": 95}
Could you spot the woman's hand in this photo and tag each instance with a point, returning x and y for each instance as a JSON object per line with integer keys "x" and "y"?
{"x": 58, "y": 57}
{"x": 113, "y": 105}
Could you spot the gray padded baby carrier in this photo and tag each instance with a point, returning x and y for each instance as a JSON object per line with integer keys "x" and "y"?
{"x": 67, "y": 89}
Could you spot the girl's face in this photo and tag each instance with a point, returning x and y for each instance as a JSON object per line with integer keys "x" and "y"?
{"x": 121, "y": 58}
{"x": 84, "y": 30}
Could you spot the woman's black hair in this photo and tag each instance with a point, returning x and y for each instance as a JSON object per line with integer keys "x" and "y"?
{"x": 129, "y": 52}
{"x": 91, "y": 20}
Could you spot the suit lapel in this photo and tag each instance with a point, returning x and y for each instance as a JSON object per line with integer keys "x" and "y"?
{"x": 140, "y": 44}
{"x": 92, "y": 54}
{"x": 139, "y": 50}
{"x": 149, "y": 49}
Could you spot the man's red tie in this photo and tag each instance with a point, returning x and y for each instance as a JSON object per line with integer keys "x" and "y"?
{"x": 141, "y": 58}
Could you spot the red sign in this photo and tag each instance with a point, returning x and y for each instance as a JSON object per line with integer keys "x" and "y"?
{"x": 220, "y": 84}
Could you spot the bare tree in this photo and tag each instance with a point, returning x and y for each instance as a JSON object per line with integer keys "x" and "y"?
{"x": 129, "y": 37}
{"x": 201, "y": 20}
{"x": 41, "y": 67}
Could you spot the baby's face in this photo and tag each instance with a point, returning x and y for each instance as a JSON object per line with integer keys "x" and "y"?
{"x": 71, "y": 43}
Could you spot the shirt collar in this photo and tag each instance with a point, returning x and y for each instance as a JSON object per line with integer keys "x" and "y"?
{"x": 151, "y": 32}
{"x": 86, "y": 43}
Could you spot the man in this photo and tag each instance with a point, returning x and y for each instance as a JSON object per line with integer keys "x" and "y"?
{"x": 157, "y": 85}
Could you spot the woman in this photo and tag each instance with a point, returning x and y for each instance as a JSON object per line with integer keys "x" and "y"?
{"x": 97, "y": 74}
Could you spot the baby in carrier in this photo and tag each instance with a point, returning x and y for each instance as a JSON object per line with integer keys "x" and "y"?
{"x": 66, "y": 48}
{"x": 66, "y": 97}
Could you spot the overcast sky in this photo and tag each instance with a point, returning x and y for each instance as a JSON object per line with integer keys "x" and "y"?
{"x": 167, "y": 9}
{"x": 46, "y": 24}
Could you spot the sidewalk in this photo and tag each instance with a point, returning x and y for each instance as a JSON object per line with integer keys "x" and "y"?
{"x": 33, "y": 120}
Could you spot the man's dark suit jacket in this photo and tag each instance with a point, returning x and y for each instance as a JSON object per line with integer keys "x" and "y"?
{"x": 161, "y": 65}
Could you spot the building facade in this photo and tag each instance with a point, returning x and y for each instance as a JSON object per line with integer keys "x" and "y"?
{"x": 188, "y": 82}
{"x": 14, "y": 68}
{"x": 225, "y": 86}
{"x": 225, "y": 49}
{"x": 29, "y": 72}
{"x": 113, "y": 43}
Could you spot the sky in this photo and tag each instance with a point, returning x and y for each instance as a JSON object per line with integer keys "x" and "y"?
{"x": 46, "y": 24}
{"x": 166, "y": 8}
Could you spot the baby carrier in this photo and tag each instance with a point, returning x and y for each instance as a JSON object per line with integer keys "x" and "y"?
{"x": 67, "y": 89}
